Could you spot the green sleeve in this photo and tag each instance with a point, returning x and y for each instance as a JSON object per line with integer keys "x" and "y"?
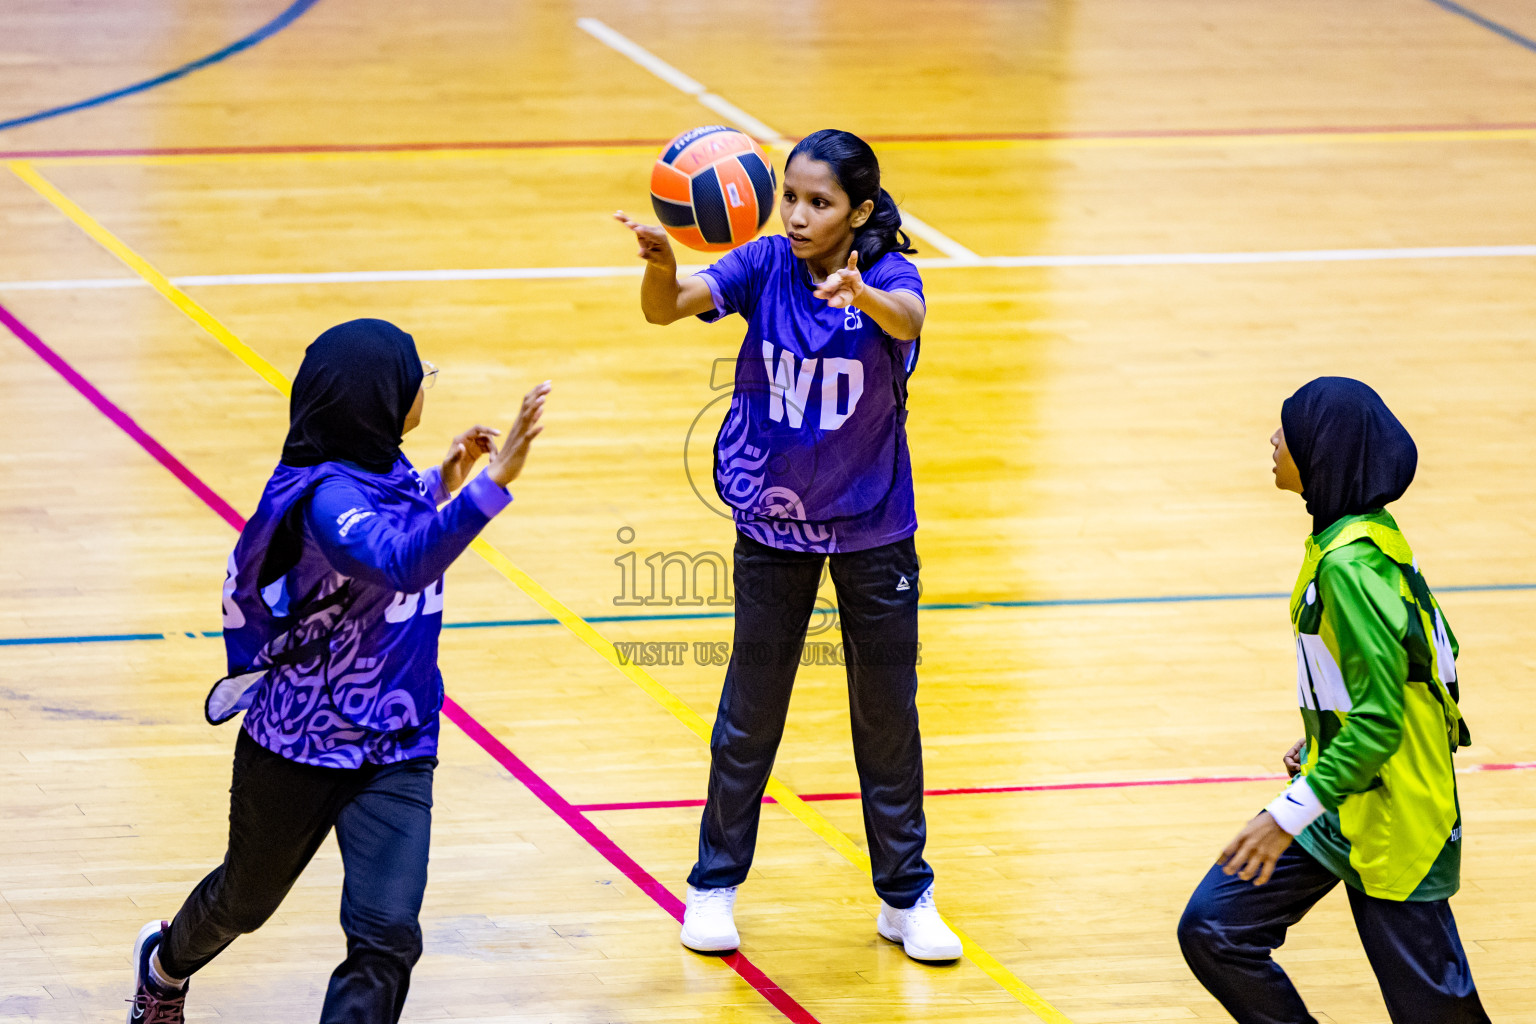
{"x": 1364, "y": 611}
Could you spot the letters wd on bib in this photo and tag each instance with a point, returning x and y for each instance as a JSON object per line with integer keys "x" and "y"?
{"x": 796, "y": 473}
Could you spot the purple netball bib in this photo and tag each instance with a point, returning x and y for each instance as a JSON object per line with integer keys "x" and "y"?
{"x": 814, "y": 442}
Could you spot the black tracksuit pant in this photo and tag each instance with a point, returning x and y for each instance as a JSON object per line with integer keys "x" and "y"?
{"x": 279, "y": 813}
{"x": 1230, "y": 927}
{"x": 877, "y": 608}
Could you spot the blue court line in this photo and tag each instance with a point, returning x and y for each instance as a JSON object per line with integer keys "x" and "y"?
{"x": 938, "y": 606}
{"x": 1478, "y": 19}
{"x": 271, "y": 28}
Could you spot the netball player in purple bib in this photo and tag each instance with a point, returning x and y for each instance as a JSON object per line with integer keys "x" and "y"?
{"x": 333, "y": 604}
{"x": 812, "y": 458}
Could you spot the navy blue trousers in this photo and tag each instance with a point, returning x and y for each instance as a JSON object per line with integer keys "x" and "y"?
{"x": 775, "y": 596}
{"x": 1231, "y": 926}
{"x": 279, "y": 813}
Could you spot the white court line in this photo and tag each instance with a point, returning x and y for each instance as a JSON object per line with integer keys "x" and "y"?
{"x": 1156, "y": 259}
{"x": 1135, "y": 259}
{"x": 675, "y": 78}
{"x": 757, "y": 129}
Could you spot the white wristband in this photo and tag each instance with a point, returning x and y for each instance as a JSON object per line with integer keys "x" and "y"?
{"x": 1297, "y": 807}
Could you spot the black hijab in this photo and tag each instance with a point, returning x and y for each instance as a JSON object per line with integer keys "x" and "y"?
{"x": 1352, "y": 452}
{"x": 351, "y": 396}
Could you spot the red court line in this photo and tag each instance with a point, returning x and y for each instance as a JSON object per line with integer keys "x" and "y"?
{"x": 299, "y": 149}
{"x": 647, "y": 805}
{"x": 753, "y": 975}
{"x": 1200, "y": 133}
{"x": 572, "y": 816}
{"x": 1056, "y": 787}
{"x": 322, "y": 148}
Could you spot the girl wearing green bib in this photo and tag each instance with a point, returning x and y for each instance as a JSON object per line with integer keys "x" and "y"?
{"x": 1372, "y": 801}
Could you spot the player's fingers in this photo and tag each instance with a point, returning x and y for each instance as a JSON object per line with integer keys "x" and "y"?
{"x": 525, "y": 421}
{"x": 518, "y": 446}
{"x": 1251, "y": 862}
{"x": 1265, "y": 872}
{"x": 853, "y": 260}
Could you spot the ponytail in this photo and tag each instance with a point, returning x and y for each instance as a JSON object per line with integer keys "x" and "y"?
{"x": 881, "y": 233}
{"x": 857, "y": 170}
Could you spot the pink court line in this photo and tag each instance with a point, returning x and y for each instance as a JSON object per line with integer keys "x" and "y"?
{"x": 600, "y": 842}
{"x": 300, "y": 149}
{"x": 1199, "y": 780}
{"x": 572, "y": 816}
{"x": 124, "y": 422}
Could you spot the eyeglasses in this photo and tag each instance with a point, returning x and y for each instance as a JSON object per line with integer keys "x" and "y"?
{"x": 428, "y": 374}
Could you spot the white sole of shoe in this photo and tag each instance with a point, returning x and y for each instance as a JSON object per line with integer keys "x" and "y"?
{"x": 716, "y": 946}
{"x": 917, "y": 953}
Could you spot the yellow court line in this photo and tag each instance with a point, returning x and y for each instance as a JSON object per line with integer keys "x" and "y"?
{"x": 1081, "y": 142}
{"x": 204, "y": 319}
{"x": 786, "y": 797}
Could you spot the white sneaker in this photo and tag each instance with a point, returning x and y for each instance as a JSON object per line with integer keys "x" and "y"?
{"x": 708, "y": 926}
{"x": 919, "y": 929}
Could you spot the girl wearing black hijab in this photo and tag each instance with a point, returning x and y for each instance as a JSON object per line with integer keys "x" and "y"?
{"x": 1372, "y": 801}
{"x": 332, "y": 610}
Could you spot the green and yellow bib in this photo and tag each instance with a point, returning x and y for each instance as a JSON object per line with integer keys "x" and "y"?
{"x": 1391, "y": 826}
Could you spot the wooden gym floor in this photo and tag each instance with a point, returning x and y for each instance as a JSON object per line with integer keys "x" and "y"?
{"x": 1145, "y": 223}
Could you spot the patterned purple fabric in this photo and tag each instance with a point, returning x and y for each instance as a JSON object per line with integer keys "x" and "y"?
{"x": 812, "y": 455}
{"x": 376, "y": 545}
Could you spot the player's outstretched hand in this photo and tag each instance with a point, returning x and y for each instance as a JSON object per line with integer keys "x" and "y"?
{"x": 1255, "y": 850}
{"x": 507, "y": 463}
{"x": 842, "y": 287}
{"x": 1292, "y": 758}
{"x": 655, "y": 246}
{"x": 464, "y": 452}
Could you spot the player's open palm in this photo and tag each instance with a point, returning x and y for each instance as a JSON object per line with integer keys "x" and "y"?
{"x": 842, "y": 287}
{"x": 655, "y": 246}
{"x": 507, "y": 463}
